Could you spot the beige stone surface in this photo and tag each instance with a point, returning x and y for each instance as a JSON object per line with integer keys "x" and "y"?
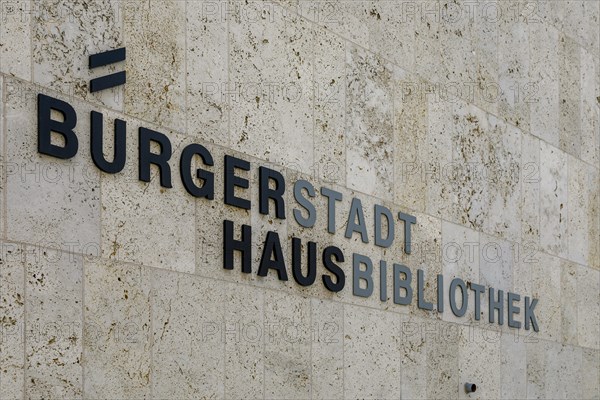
{"x": 12, "y": 322}
{"x": 554, "y": 185}
{"x": 530, "y": 191}
{"x": 547, "y": 359}
{"x": 442, "y": 373}
{"x": 590, "y": 379}
{"x": 155, "y": 35}
{"x": 146, "y": 223}
{"x": 2, "y": 156}
{"x": 410, "y": 132}
{"x": 369, "y": 123}
{"x": 479, "y": 118}
{"x": 272, "y": 73}
{"x": 568, "y": 290}
{"x": 117, "y": 347}
{"x": 544, "y": 73}
{"x": 513, "y": 366}
{"x": 207, "y": 68}
{"x": 371, "y": 353}
{"x": 287, "y": 346}
{"x": 590, "y": 114}
{"x": 545, "y": 275}
{"x": 513, "y": 65}
{"x": 244, "y": 337}
{"x": 480, "y": 352}
{"x": 188, "y": 349}
{"x": 327, "y": 330}
{"x": 474, "y": 161}
{"x": 53, "y": 324}
{"x": 569, "y": 96}
{"x": 413, "y": 355}
{"x": 15, "y": 40}
{"x": 62, "y": 207}
{"x": 461, "y": 259}
{"x": 329, "y": 116}
{"x": 588, "y": 307}
{"x": 63, "y": 35}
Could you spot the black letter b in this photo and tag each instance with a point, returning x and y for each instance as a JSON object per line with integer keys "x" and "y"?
{"x": 46, "y": 126}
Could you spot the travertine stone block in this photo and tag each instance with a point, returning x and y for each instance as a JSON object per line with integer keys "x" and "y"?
{"x": 590, "y": 379}
{"x": 461, "y": 259}
{"x": 440, "y": 182}
{"x": 329, "y": 114}
{"x": 271, "y": 64}
{"x": 244, "y": 333}
{"x": 2, "y": 158}
{"x": 553, "y": 370}
{"x": 443, "y": 375}
{"x": 318, "y": 234}
{"x": 143, "y": 222}
{"x": 588, "y": 307}
{"x": 563, "y": 371}
{"x": 593, "y": 221}
{"x": 501, "y": 168}
{"x": 544, "y": 78}
{"x": 536, "y": 369}
{"x": 62, "y": 207}
{"x": 54, "y": 324}
{"x": 551, "y": 12}
{"x": 355, "y": 245}
{"x": 117, "y": 354}
{"x": 413, "y": 348}
{"x": 15, "y": 39}
{"x": 553, "y": 200}
{"x": 497, "y": 260}
{"x": 530, "y": 192}
{"x": 513, "y": 367}
{"x": 347, "y": 19}
{"x": 568, "y": 306}
{"x": 207, "y": 78}
{"x": 210, "y": 215}
{"x": 64, "y": 34}
{"x": 369, "y": 123}
{"x": 411, "y": 164}
{"x": 327, "y": 349}
{"x": 480, "y": 119}
{"x": 444, "y": 45}
{"x": 474, "y": 164}
{"x": 155, "y": 35}
{"x": 514, "y": 66}
{"x": 589, "y": 106}
{"x": 573, "y": 23}
{"x": 264, "y": 223}
{"x": 546, "y": 287}
{"x": 391, "y": 26}
{"x": 287, "y": 355}
{"x": 577, "y": 210}
{"x": 188, "y": 348}
{"x": 479, "y": 353}
{"x": 485, "y": 45}
{"x": 591, "y": 17}
{"x": 569, "y": 58}
{"x": 12, "y": 320}
{"x": 371, "y": 353}
{"x": 522, "y": 270}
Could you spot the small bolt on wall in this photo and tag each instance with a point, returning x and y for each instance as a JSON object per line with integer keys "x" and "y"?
{"x": 470, "y": 387}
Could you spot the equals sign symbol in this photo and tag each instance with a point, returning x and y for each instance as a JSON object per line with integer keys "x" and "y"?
{"x": 107, "y": 58}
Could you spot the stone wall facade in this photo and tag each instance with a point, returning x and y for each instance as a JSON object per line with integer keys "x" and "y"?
{"x": 481, "y": 119}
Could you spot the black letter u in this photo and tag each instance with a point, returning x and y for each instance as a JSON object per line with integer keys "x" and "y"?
{"x": 120, "y": 151}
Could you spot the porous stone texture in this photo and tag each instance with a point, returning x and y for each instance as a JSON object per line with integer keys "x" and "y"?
{"x": 482, "y": 119}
